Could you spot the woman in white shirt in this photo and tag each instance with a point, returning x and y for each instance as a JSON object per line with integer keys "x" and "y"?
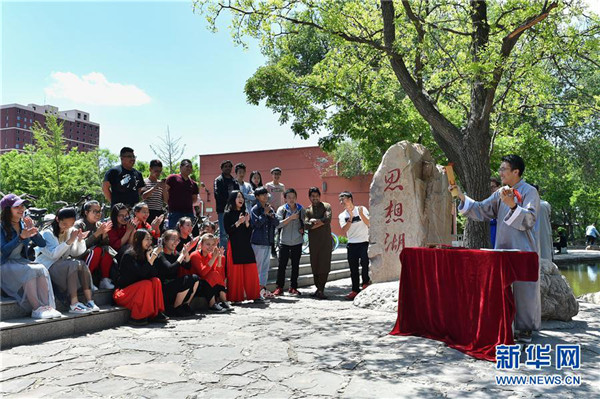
{"x": 64, "y": 244}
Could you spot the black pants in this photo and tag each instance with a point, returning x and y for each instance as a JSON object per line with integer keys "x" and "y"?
{"x": 205, "y": 290}
{"x": 285, "y": 253}
{"x": 590, "y": 240}
{"x": 173, "y": 287}
{"x": 358, "y": 253}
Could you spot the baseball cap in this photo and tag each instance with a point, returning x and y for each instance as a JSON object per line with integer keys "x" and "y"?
{"x": 11, "y": 201}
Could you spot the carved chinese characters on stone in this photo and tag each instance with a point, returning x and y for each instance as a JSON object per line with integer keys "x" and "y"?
{"x": 409, "y": 206}
{"x": 392, "y": 178}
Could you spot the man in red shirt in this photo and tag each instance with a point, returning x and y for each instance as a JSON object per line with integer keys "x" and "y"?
{"x": 181, "y": 193}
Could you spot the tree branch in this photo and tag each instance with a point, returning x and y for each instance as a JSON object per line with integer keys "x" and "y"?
{"x": 508, "y": 43}
{"x": 448, "y": 133}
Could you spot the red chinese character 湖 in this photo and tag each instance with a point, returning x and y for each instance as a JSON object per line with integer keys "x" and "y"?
{"x": 395, "y": 244}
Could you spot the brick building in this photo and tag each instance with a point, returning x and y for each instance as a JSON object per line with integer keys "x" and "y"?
{"x": 16, "y": 121}
{"x": 302, "y": 168}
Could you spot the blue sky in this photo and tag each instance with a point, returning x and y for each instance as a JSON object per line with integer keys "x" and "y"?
{"x": 137, "y": 67}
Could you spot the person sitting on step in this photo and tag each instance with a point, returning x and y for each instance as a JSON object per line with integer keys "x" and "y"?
{"x": 178, "y": 291}
{"x": 64, "y": 244}
{"x": 25, "y": 281}
{"x": 97, "y": 255}
{"x": 138, "y": 287}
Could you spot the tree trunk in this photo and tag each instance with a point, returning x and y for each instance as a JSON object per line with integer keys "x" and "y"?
{"x": 474, "y": 175}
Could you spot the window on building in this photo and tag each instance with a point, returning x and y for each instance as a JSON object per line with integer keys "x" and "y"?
{"x": 30, "y": 120}
{"x": 18, "y": 111}
{"x": 77, "y": 124}
{"x": 16, "y": 146}
{"x": 24, "y": 126}
{"x": 85, "y": 117}
{"x": 79, "y": 115}
{"x": 18, "y": 124}
{"x": 18, "y": 118}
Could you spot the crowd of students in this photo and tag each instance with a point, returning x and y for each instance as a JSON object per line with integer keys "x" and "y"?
{"x": 155, "y": 264}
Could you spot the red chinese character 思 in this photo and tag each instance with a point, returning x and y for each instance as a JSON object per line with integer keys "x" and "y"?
{"x": 391, "y": 179}
{"x": 394, "y": 212}
{"x": 394, "y": 243}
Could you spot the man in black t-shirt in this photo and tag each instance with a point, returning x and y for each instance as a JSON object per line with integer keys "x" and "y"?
{"x": 225, "y": 183}
{"x": 123, "y": 183}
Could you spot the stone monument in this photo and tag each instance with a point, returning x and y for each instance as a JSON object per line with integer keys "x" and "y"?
{"x": 409, "y": 206}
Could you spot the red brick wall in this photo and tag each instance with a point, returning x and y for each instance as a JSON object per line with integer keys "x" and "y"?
{"x": 302, "y": 168}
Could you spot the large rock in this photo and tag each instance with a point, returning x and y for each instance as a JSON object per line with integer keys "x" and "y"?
{"x": 558, "y": 300}
{"x": 593, "y": 297}
{"x": 410, "y": 206}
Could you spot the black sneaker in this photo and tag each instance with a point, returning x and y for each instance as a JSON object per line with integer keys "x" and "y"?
{"x": 186, "y": 307}
{"x": 160, "y": 318}
{"x": 226, "y": 306}
{"x": 179, "y": 313}
{"x": 321, "y": 295}
{"x": 524, "y": 336}
{"x": 138, "y": 322}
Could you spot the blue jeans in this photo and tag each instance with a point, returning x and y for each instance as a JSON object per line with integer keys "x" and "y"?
{"x": 262, "y": 253}
{"x": 175, "y": 216}
{"x": 223, "y": 237}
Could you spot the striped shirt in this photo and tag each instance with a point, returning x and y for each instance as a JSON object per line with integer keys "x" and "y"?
{"x": 154, "y": 201}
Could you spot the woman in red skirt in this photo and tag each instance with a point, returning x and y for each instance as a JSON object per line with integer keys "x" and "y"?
{"x": 242, "y": 274}
{"x": 139, "y": 288}
{"x": 208, "y": 263}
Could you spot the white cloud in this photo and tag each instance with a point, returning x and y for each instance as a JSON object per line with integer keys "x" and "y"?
{"x": 94, "y": 89}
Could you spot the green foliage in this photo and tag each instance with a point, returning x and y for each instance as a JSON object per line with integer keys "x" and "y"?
{"x": 326, "y": 72}
{"x": 349, "y": 160}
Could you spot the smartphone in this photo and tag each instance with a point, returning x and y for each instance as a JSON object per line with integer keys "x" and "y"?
{"x": 160, "y": 242}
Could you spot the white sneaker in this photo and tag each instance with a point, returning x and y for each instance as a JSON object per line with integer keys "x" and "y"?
{"x": 107, "y": 284}
{"x": 92, "y": 306}
{"x": 79, "y": 308}
{"x": 55, "y": 313}
{"x": 41, "y": 313}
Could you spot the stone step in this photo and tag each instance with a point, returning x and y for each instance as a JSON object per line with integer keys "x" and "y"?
{"x": 23, "y": 331}
{"x": 10, "y": 309}
{"x": 338, "y": 254}
{"x": 305, "y": 269}
{"x": 307, "y": 280}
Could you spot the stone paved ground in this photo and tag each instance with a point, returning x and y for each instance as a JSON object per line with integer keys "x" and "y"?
{"x": 289, "y": 348}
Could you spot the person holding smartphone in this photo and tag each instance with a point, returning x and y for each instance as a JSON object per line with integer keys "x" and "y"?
{"x": 242, "y": 273}
{"x": 354, "y": 221}
{"x": 263, "y": 222}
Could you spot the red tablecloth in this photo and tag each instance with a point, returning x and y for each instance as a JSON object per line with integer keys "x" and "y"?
{"x": 461, "y": 297}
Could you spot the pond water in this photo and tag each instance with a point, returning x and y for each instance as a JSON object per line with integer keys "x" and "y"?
{"x": 583, "y": 277}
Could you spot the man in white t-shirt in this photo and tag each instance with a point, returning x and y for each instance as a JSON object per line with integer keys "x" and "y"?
{"x": 354, "y": 222}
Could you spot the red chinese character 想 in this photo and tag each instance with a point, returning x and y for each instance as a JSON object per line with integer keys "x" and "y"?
{"x": 393, "y": 212}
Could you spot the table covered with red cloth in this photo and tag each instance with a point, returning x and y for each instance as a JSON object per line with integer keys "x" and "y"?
{"x": 461, "y": 297}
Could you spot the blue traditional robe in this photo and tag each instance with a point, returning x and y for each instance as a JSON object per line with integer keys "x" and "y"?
{"x": 514, "y": 230}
